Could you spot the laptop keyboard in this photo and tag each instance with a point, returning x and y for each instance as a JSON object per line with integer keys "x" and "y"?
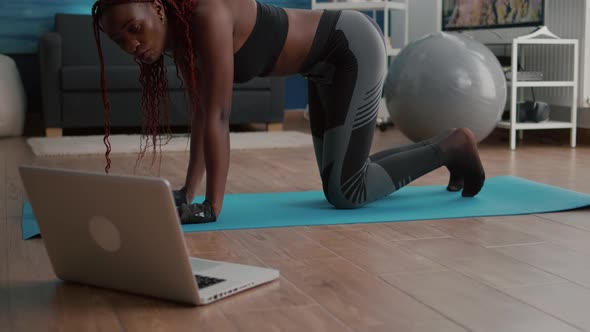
{"x": 203, "y": 281}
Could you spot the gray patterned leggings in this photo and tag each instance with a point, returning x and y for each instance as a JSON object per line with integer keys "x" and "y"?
{"x": 345, "y": 69}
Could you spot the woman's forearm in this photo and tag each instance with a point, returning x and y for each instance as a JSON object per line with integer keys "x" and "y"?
{"x": 216, "y": 147}
{"x": 196, "y": 164}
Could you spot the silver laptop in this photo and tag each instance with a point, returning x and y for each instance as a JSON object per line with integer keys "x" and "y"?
{"x": 123, "y": 232}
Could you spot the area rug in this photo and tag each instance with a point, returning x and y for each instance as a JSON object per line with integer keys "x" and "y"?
{"x": 93, "y": 144}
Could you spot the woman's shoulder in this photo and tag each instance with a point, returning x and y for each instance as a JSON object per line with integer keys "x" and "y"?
{"x": 219, "y": 8}
{"x": 235, "y": 15}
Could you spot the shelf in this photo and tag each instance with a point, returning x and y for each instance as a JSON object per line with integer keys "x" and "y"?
{"x": 361, "y": 5}
{"x": 533, "y": 42}
{"x": 546, "y": 41}
{"x": 548, "y": 38}
{"x": 393, "y": 51}
{"x": 532, "y": 125}
{"x": 534, "y": 84}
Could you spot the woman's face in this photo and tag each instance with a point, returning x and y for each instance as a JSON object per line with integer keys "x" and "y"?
{"x": 138, "y": 28}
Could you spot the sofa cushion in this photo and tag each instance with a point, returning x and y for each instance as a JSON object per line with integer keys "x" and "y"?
{"x": 78, "y": 78}
{"x": 84, "y": 78}
{"x": 85, "y": 108}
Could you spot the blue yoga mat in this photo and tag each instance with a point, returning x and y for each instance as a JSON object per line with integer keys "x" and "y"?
{"x": 503, "y": 195}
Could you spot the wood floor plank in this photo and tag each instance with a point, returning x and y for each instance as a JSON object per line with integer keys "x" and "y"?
{"x": 281, "y": 294}
{"x": 396, "y": 231}
{"x": 38, "y": 301}
{"x": 481, "y": 233}
{"x": 17, "y": 153}
{"x": 436, "y": 326}
{"x": 355, "y": 297}
{"x": 416, "y": 229}
{"x": 202, "y": 242}
{"x": 473, "y": 305}
{"x": 576, "y": 218}
{"x": 382, "y": 231}
{"x": 279, "y": 242}
{"x": 273, "y": 299}
{"x": 4, "y": 241}
{"x": 308, "y": 318}
{"x": 567, "y": 301}
{"x": 547, "y": 230}
{"x": 145, "y": 314}
{"x": 480, "y": 263}
{"x": 372, "y": 253}
{"x": 3, "y": 188}
{"x": 315, "y": 318}
{"x": 32, "y": 282}
{"x": 568, "y": 264}
{"x": 4, "y": 292}
{"x": 81, "y": 308}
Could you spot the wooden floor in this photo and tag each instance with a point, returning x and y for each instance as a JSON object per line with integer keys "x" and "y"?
{"x": 522, "y": 273}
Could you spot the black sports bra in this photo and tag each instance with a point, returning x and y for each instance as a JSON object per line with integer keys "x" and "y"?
{"x": 263, "y": 46}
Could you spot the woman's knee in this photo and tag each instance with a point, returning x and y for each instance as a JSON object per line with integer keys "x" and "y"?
{"x": 340, "y": 201}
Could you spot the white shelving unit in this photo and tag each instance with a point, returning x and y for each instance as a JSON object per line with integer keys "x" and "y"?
{"x": 541, "y": 37}
{"x": 387, "y": 6}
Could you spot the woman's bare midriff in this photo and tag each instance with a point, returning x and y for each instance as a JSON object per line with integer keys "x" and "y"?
{"x": 302, "y": 28}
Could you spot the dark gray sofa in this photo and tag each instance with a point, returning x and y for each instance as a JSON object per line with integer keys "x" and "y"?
{"x": 70, "y": 84}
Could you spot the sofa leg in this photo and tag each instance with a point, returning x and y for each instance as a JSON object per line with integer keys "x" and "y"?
{"x": 54, "y": 132}
{"x": 277, "y": 126}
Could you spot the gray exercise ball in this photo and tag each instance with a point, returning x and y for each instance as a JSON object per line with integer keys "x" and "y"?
{"x": 442, "y": 81}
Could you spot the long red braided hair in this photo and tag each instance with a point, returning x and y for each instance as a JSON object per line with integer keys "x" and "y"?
{"x": 153, "y": 76}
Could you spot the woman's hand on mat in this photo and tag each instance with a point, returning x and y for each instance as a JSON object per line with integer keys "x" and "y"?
{"x": 196, "y": 213}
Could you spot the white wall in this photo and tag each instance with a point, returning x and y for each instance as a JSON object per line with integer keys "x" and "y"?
{"x": 424, "y": 18}
{"x": 423, "y": 14}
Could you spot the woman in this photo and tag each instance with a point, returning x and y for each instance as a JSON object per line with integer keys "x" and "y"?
{"x": 215, "y": 43}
